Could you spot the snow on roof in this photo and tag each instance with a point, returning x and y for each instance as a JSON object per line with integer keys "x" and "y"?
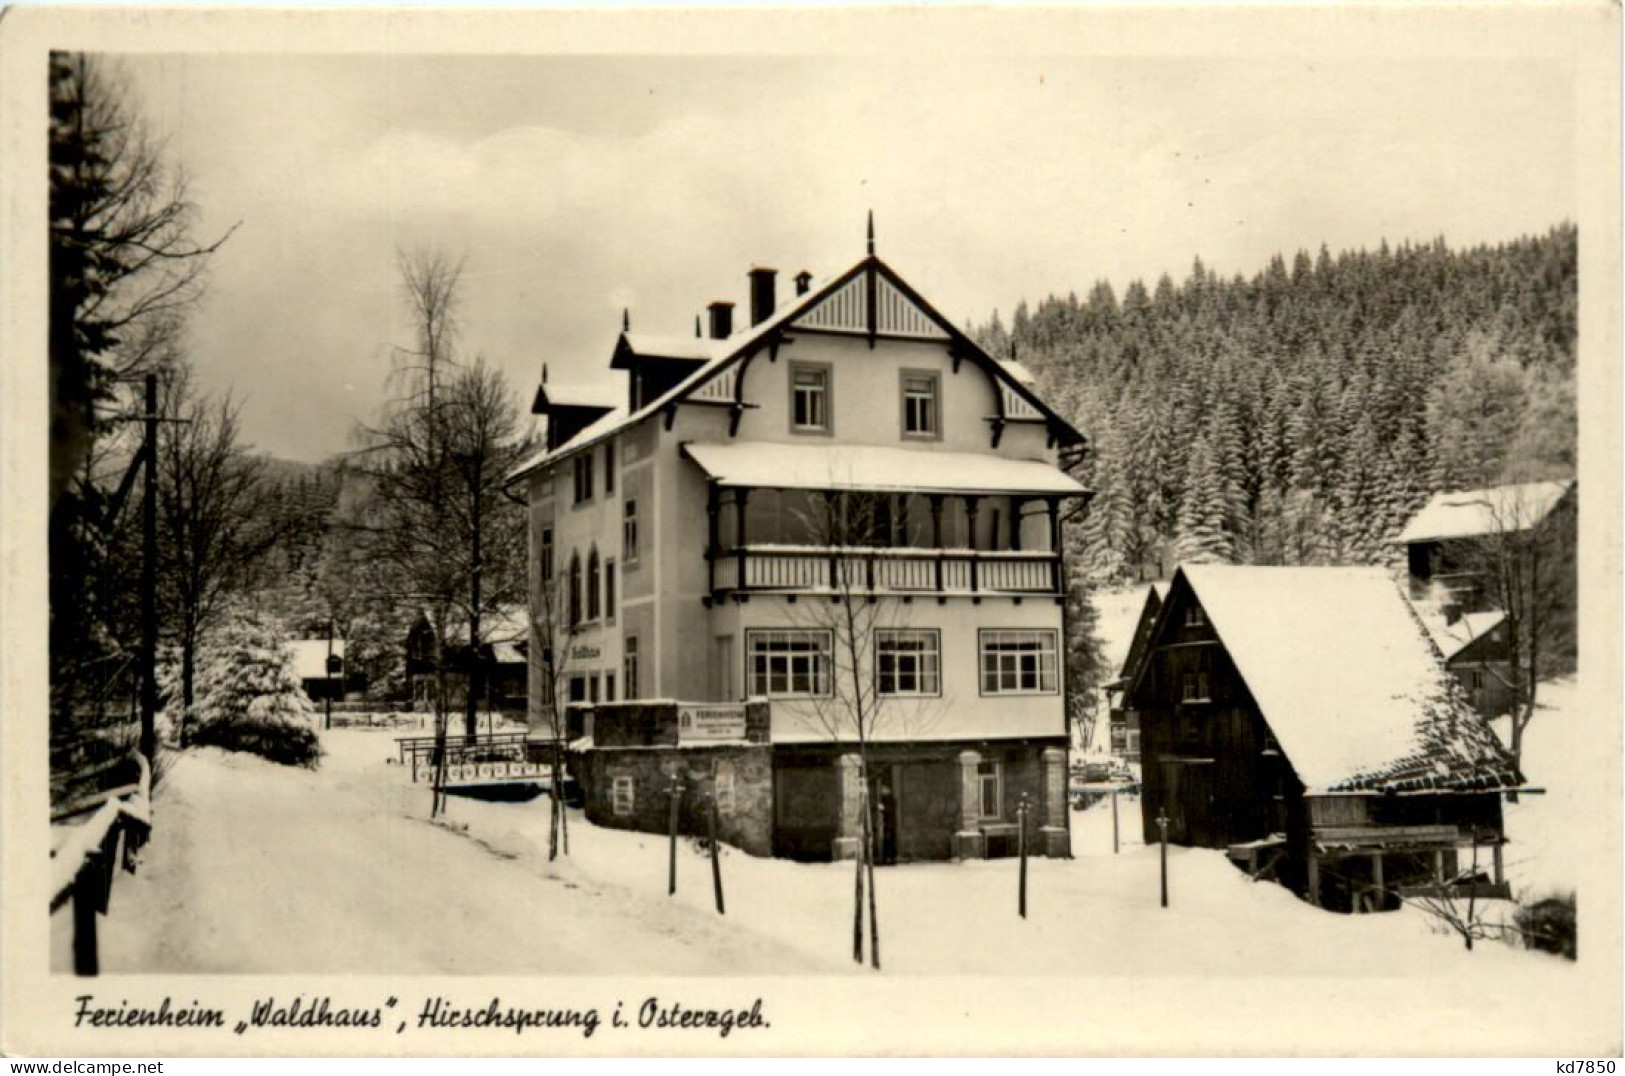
{"x": 310, "y": 657}
{"x": 1343, "y": 673}
{"x": 1453, "y": 638}
{"x": 674, "y": 347}
{"x": 1469, "y": 513}
{"x": 1020, "y": 372}
{"x": 583, "y": 394}
{"x": 875, "y": 467}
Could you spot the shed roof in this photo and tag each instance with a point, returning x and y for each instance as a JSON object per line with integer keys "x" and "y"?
{"x": 760, "y": 464}
{"x": 1345, "y": 676}
{"x": 1471, "y": 513}
{"x": 310, "y": 657}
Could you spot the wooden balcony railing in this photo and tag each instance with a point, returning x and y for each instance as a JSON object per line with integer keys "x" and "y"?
{"x": 900, "y": 571}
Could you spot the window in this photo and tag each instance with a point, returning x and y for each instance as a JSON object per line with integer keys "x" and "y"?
{"x": 575, "y": 589}
{"x": 609, "y": 687}
{"x": 578, "y": 689}
{"x": 809, "y": 398}
{"x": 990, "y": 794}
{"x": 1475, "y": 679}
{"x": 547, "y": 553}
{"x": 609, "y": 467}
{"x": 789, "y": 663}
{"x": 920, "y": 418}
{"x": 1194, "y": 617}
{"x": 629, "y": 532}
{"x": 624, "y": 795}
{"x": 592, "y": 688}
{"x": 629, "y": 661}
{"x": 595, "y": 596}
{"x": 1193, "y": 687}
{"x": 583, "y": 477}
{"x": 907, "y": 662}
{"x": 1018, "y": 663}
{"x": 609, "y": 591}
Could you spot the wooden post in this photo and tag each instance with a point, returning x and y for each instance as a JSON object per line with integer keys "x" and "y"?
{"x": 1021, "y": 850}
{"x": 1314, "y": 878}
{"x": 1114, "y": 821}
{"x": 716, "y": 862}
{"x": 676, "y": 794}
{"x": 1162, "y": 840}
{"x": 85, "y": 900}
{"x": 149, "y": 589}
{"x": 1376, "y": 878}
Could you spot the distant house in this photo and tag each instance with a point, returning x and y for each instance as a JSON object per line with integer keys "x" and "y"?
{"x": 503, "y": 655}
{"x": 311, "y": 665}
{"x": 1125, "y": 723}
{"x": 1445, "y": 541}
{"x": 1303, "y": 712}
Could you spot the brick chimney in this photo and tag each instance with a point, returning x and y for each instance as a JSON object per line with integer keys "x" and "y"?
{"x": 761, "y": 294}
{"x": 722, "y": 320}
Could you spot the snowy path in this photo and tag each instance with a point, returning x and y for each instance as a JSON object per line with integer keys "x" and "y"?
{"x": 260, "y": 868}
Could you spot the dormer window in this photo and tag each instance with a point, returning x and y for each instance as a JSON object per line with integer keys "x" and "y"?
{"x": 920, "y": 411}
{"x": 809, "y": 398}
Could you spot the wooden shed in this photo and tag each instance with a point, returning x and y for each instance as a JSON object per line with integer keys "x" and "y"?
{"x": 1302, "y": 719}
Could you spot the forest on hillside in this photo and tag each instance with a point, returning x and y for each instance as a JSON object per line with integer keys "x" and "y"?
{"x": 1300, "y": 416}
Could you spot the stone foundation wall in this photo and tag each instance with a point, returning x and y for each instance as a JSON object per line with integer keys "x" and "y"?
{"x": 740, "y": 777}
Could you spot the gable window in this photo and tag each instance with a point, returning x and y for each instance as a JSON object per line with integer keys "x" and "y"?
{"x": 624, "y": 795}
{"x": 583, "y": 477}
{"x": 809, "y": 398}
{"x": 609, "y": 466}
{"x": 1018, "y": 663}
{"x": 908, "y": 662}
{"x": 575, "y": 589}
{"x": 609, "y": 590}
{"x": 547, "y": 553}
{"x": 920, "y": 411}
{"x": 989, "y": 789}
{"x": 595, "y": 596}
{"x": 786, "y": 664}
{"x": 629, "y": 532}
{"x": 1194, "y": 617}
{"x": 1193, "y": 687}
{"x": 629, "y": 665}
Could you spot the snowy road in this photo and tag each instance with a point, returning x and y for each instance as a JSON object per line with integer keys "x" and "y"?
{"x": 260, "y": 868}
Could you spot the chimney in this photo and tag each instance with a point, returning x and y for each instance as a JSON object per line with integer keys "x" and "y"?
{"x": 722, "y": 320}
{"x": 803, "y": 282}
{"x": 761, "y": 294}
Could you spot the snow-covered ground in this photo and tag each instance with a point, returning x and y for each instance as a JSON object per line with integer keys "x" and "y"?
{"x": 1548, "y": 840}
{"x": 260, "y": 868}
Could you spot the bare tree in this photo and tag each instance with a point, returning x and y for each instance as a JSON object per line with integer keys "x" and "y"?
{"x": 852, "y": 707}
{"x": 552, "y": 631}
{"x": 214, "y": 520}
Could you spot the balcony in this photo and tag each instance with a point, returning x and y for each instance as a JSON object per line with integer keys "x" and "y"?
{"x": 776, "y": 569}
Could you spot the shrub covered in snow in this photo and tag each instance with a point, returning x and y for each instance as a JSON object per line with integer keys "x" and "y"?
{"x": 249, "y": 697}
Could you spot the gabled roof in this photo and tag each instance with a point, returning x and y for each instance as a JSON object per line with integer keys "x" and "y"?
{"x": 1453, "y": 637}
{"x": 591, "y": 397}
{"x": 1144, "y": 628}
{"x": 1472, "y": 513}
{"x": 742, "y": 345}
{"x": 1347, "y": 679}
{"x": 650, "y": 346}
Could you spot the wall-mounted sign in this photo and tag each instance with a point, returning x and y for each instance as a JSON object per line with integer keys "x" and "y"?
{"x": 584, "y": 653}
{"x": 708, "y": 724}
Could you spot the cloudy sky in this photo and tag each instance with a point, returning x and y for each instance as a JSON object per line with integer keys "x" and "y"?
{"x": 576, "y": 186}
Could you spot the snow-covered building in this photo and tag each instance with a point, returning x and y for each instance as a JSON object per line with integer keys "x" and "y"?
{"x": 1305, "y": 711}
{"x": 502, "y": 659}
{"x": 320, "y": 677}
{"x": 1448, "y": 541}
{"x": 1125, "y": 723}
{"x": 850, "y": 450}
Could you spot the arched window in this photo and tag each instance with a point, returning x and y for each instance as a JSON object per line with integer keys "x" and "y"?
{"x": 575, "y": 588}
{"x": 594, "y": 586}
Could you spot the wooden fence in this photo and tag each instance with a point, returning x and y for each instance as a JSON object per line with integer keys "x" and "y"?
{"x": 84, "y": 868}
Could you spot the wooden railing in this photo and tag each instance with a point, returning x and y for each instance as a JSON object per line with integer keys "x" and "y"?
{"x": 929, "y": 571}
{"x": 84, "y": 867}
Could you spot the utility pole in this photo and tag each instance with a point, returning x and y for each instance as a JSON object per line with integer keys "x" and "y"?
{"x": 149, "y": 578}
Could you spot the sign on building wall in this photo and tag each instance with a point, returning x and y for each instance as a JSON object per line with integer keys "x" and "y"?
{"x": 708, "y": 724}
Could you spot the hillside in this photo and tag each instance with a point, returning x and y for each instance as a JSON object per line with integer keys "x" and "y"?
{"x": 1301, "y": 415}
